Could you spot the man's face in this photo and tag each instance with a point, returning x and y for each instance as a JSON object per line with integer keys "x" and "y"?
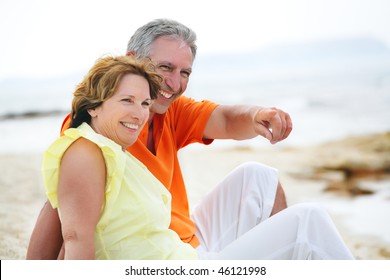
{"x": 173, "y": 60}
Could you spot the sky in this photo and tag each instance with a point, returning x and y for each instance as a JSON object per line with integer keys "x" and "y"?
{"x": 46, "y": 38}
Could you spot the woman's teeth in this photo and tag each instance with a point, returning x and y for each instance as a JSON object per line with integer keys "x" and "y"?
{"x": 130, "y": 125}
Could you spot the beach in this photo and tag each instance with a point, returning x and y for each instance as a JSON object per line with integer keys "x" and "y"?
{"x": 337, "y": 94}
{"x": 360, "y": 217}
{"x": 316, "y": 174}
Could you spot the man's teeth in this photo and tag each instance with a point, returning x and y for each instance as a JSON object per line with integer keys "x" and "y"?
{"x": 130, "y": 125}
{"x": 165, "y": 94}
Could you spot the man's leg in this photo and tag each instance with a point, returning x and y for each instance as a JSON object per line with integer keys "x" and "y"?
{"x": 242, "y": 200}
{"x": 301, "y": 232}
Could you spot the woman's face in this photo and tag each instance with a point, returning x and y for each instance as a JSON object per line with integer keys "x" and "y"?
{"x": 122, "y": 116}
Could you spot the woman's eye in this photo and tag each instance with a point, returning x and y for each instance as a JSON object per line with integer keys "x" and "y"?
{"x": 146, "y": 103}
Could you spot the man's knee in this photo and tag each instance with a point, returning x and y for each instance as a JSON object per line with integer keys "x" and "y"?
{"x": 267, "y": 177}
{"x": 258, "y": 169}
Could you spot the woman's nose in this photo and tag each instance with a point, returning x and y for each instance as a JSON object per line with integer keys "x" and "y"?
{"x": 137, "y": 112}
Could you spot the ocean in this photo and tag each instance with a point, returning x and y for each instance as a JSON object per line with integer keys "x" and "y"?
{"x": 331, "y": 91}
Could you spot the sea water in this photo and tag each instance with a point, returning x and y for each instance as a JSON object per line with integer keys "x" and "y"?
{"x": 327, "y": 98}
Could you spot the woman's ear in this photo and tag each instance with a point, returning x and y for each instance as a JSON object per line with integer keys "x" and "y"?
{"x": 92, "y": 113}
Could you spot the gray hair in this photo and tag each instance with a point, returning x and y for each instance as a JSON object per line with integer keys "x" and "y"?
{"x": 143, "y": 38}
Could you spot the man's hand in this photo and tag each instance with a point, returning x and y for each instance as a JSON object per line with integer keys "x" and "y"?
{"x": 240, "y": 122}
{"x": 273, "y": 124}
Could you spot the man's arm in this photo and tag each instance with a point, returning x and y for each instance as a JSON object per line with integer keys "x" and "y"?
{"x": 241, "y": 122}
{"x": 46, "y": 238}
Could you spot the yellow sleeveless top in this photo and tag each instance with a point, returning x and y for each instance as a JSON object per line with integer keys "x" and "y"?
{"x": 135, "y": 219}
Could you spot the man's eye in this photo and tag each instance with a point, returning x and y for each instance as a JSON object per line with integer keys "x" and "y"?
{"x": 165, "y": 67}
{"x": 186, "y": 74}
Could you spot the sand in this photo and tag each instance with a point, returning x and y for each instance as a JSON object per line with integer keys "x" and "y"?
{"x": 361, "y": 219}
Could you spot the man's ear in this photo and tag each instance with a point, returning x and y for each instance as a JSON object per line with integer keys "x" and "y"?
{"x": 130, "y": 53}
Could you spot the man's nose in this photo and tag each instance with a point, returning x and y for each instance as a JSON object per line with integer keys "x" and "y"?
{"x": 173, "y": 82}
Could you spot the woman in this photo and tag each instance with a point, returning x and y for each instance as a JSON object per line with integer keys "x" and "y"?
{"x": 110, "y": 205}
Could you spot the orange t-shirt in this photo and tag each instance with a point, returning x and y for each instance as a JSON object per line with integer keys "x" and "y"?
{"x": 182, "y": 124}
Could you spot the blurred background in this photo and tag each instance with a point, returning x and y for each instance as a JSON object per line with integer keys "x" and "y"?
{"x": 326, "y": 62}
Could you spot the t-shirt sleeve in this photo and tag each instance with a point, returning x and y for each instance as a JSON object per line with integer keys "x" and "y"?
{"x": 189, "y": 118}
{"x": 65, "y": 124}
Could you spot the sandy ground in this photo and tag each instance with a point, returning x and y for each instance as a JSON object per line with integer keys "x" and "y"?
{"x": 362, "y": 220}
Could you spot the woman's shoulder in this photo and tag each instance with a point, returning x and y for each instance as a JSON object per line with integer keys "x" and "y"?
{"x": 85, "y": 131}
{"x": 83, "y": 147}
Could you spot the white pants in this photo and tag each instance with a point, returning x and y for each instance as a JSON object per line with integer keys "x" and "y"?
{"x": 233, "y": 222}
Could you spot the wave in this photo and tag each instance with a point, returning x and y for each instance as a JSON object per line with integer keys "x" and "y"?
{"x": 31, "y": 114}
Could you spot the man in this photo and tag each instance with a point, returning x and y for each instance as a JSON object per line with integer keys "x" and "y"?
{"x": 249, "y": 195}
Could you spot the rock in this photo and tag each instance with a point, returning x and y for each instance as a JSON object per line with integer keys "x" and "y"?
{"x": 343, "y": 164}
{"x": 357, "y": 155}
